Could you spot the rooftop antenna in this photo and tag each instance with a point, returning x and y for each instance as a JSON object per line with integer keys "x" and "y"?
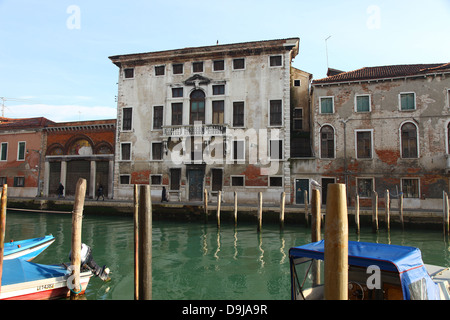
{"x": 10, "y": 99}
{"x": 326, "y": 48}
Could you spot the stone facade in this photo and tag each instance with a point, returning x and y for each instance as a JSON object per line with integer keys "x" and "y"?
{"x": 215, "y": 118}
{"x": 384, "y": 128}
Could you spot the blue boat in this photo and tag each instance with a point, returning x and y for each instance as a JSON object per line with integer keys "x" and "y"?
{"x": 27, "y": 249}
{"x": 24, "y": 280}
{"x": 376, "y": 271}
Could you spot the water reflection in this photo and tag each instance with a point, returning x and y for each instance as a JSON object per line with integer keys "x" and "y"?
{"x": 195, "y": 260}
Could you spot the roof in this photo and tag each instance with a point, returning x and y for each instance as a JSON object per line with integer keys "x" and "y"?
{"x": 249, "y": 48}
{"x": 388, "y": 257}
{"x": 385, "y": 72}
{"x": 24, "y": 123}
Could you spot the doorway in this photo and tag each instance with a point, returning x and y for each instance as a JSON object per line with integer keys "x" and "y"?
{"x": 325, "y": 183}
{"x": 195, "y": 182}
{"x": 300, "y": 186}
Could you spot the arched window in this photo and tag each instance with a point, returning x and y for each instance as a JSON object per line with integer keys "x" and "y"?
{"x": 409, "y": 140}
{"x": 197, "y": 112}
{"x": 327, "y": 142}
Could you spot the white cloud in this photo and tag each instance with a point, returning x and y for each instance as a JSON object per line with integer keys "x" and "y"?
{"x": 61, "y": 113}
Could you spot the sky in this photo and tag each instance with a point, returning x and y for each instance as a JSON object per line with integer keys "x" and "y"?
{"x": 54, "y": 53}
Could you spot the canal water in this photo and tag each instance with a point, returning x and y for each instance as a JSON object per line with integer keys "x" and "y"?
{"x": 193, "y": 260}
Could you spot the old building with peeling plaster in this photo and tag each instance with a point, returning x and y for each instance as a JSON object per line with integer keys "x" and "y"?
{"x": 217, "y": 118}
{"x": 383, "y": 128}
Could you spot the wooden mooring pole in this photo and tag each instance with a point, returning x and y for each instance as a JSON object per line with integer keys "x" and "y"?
{"x": 282, "y": 206}
{"x": 387, "y": 210}
{"x": 259, "y": 211}
{"x": 235, "y": 208}
{"x": 4, "y": 200}
{"x": 336, "y": 244}
{"x": 305, "y": 196}
{"x": 136, "y": 242}
{"x": 445, "y": 213}
{"x": 357, "y": 214}
{"x": 205, "y": 204}
{"x": 316, "y": 219}
{"x": 77, "y": 219}
{"x": 374, "y": 211}
{"x": 219, "y": 201}
{"x": 400, "y": 209}
{"x": 145, "y": 243}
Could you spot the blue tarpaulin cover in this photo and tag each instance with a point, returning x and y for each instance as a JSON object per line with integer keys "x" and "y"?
{"x": 407, "y": 261}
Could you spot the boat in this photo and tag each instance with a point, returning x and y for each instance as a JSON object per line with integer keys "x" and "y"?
{"x": 27, "y": 249}
{"x": 25, "y": 280}
{"x": 375, "y": 272}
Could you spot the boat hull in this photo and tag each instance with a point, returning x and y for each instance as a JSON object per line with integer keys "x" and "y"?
{"x": 27, "y": 249}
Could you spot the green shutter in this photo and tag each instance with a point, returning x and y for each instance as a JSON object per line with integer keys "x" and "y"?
{"x": 4, "y": 152}
{"x": 362, "y": 104}
{"x": 21, "y": 155}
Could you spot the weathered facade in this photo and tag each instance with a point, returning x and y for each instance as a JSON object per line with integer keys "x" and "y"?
{"x": 215, "y": 118}
{"x": 384, "y": 128}
{"x": 82, "y": 149}
{"x": 22, "y": 142}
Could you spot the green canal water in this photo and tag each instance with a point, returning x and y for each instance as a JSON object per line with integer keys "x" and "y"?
{"x": 194, "y": 260}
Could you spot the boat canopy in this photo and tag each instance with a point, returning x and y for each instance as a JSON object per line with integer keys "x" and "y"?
{"x": 406, "y": 261}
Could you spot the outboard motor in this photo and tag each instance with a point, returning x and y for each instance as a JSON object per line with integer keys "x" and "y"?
{"x": 88, "y": 261}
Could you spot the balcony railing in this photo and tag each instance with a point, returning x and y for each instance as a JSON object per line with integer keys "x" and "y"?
{"x": 194, "y": 130}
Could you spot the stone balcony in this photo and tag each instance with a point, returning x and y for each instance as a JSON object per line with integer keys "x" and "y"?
{"x": 202, "y": 130}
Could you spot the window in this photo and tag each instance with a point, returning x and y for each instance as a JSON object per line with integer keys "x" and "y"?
{"x": 218, "y": 112}
{"x": 157, "y": 117}
{"x": 219, "y": 65}
{"x": 362, "y": 103}
{"x": 177, "y": 92}
{"x": 125, "y": 151}
{"x": 408, "y": 101}
{"x": 160, "y": 70}
{"x": 197, "y": 107}
{"x": 363, "y": 144}
{"x": 127, "y": 115}
{"x": 364, "y": 187}
{"x": 297, "y": 119}
{"x": 326, "y": 104}
{"x": 238, "y": 64}
{"x": 157, "y": 150}
{"x": 276, "y": 113}
{"x": 276, "y": 181}
{"x": 219, "y": 89}
{"x": 448, "y": 98}
{"x": 156, "y": 179}
{"x": 124, "y": 179}
{"x": 4, "y": 152}
{"x": 410, "y": 188}
{"x": 409, "y": 140}
{"x": 19, "y": 181}
{"x": 3, "y": 181}
{"x": 238, "y": 114}
{"x": 297, "y": 83}
{"x": 275, "y": 61}
{"x": 237, "y": 181}
{"x": 177, "y": 114}
{"x": 216, "y": 176}
{"x": 129, "y": 73}
{"x": 239, "y": 150}
{"x": 276, "y": 149}
{"x": 327, "y": 142}
{"x": 197, "y": 66}
{"x": 177, "y": 68}
{"x": 175, "y": 178}
{"x": 21, "y": 151}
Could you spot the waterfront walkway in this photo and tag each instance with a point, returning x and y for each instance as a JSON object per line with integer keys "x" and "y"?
{"x": 173, "y": 209}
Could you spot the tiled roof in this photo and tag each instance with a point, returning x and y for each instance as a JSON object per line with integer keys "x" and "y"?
{"x": 384, "y": 72}
{"x": 10, "y": 123}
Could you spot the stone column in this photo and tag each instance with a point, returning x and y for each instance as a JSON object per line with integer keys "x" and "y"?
{"x": 110, "y": 179}
{"x": 92, "y": 179}
{"x": 46, "y": 178}
{"x": 62, "y": 179}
